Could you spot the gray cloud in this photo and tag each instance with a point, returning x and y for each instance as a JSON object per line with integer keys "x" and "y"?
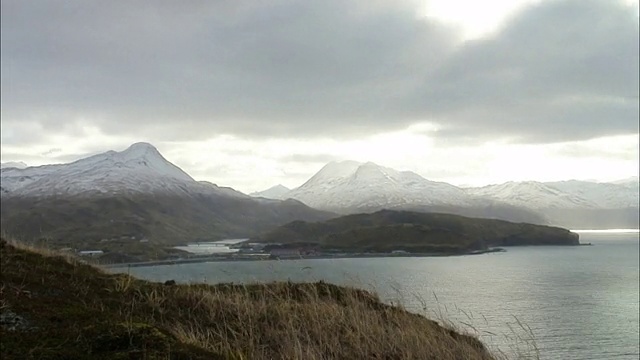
{"x": 68, "y": 158}
{"x": 51, "y": 151}
{"x": 56, "y": 159}
{"x": 563, "y": 70}
{"x": 309, "y": 158}
{"x": 583, "y": 151}
{"x": 239, "y": 152}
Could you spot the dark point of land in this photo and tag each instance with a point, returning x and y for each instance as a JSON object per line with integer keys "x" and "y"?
{"x": 413, "y": 232}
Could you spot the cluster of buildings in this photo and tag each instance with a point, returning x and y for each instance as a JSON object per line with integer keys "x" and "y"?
{"x": 276, "y": 251}
{"x": 290, "y": 253}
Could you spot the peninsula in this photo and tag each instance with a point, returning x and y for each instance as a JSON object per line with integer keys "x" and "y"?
{"x": 388, "y": 231}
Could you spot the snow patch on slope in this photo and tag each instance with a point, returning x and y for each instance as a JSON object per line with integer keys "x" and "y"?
{"x": 531, "y": 194}
{"x": 353, "y": 185}
{"x": 138, "y": 169}
{"x": 604, "y": 195}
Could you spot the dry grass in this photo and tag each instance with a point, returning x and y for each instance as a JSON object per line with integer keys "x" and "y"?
{"x": 521, "y": 343}
{"x": 262, "y": 321}
{"x": 303, "y": 321}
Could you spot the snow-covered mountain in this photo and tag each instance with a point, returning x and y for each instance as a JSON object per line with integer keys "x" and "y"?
{"x": 138, "y": 169}
{"x": 571, "y": 194}
{"x": 533, "y": 195}
{"x": 132, "y": 194}
{"x": 13, "y": 164}
{"x": 352, "y": 186}
{"x": 349, "y": 187}
{"x": 572, "y": 203}
{"x": 603, "y": 195}
{"x": 275, "y": 192}
{"x": 630, "y": 182}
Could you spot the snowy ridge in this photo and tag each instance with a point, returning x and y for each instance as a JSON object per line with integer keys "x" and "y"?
{"x": 13, "y": 164}
{"x": 571, "y": 194}
{"x": 353, "y": 185}
{"x": 605, "y": 195}
{"x": 533, "y": 195}
{"x": 138, "y": 169}
{"x": 631, "y": 182}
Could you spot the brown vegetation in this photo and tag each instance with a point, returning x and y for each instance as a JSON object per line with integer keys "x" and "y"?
{"x": 57, "y": 307}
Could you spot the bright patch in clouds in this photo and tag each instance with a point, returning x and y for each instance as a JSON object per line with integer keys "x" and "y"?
{"x": 477, "y": 19}
{"x": 227, "y": 160}
{"x": 474, "y": 18}
{"x": 253, "y": 165}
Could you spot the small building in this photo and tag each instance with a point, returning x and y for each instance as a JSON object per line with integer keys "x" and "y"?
{"x": 90, "y": 252}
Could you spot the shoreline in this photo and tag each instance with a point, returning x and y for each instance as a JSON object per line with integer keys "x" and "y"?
{"x": 217, "y": 258}
{"x": 606, "y": 231}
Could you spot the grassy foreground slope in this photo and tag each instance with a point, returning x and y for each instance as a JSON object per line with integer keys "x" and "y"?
{"x": 389, "y": 230}
{"x": 54, "y": 307}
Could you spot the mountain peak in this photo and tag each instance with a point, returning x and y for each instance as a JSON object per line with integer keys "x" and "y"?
{"x": 140, "y": 149}
{"x": 140, "y": 168}
{"x": 344, "y": 165}
{"x": 335, "y": 170}
{"x": 373, "y": 172}
{"x": 352, "y": 185}
{"x": 274, "y": 192}
{"x": 141, "y": 146}
{"x": 146, "y": 156}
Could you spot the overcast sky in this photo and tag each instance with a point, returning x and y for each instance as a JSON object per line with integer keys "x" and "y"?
{"x": 251, "y": 94}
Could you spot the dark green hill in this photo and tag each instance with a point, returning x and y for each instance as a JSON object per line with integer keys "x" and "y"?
{"x": 492, "y": 210}
{"x": 102, "y": 222}
{"x": 389, "y": 230}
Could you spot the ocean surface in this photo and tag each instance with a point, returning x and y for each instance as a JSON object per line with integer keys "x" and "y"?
{"x": 561, "y": 302}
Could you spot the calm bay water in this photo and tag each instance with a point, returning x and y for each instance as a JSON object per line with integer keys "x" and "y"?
{"x": 573, "y": 302}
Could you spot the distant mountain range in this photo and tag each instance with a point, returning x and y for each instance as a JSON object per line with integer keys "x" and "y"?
{"x": 135, "y": 194}
{"x": 572, "y": 194}
{"x": 573, "y": 203}
{"x": 349, "y": 187}
{"x": 352, "y": 187}
{"x": 274, "y": 192}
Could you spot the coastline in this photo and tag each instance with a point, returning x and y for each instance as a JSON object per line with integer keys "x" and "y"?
{"x": 218, "y": 258}
{"x": 607, "y": 231}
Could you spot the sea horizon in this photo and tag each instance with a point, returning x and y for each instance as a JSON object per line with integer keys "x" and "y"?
{"x": 609, "y": 231}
